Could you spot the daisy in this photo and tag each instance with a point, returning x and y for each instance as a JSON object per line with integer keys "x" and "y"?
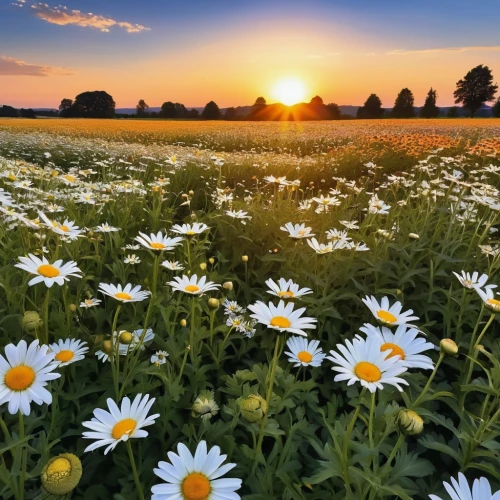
{"x": 488, "y": 298}
{"x": 66, "y": 229}
{"x": 46, "y": 272}
{"x": 105, "y": 228}
{"x": 304, "y": 353}
{"x": 297, "y": 231}
{"x": 129, "y": 341}
{"x": 403, "y": 343}
{"x": 190, "y": 229}
{"x": 205, "y": 406}
{"x": 196, "y": 477}
{"x": 282, "y": 317}
{"x": 87, "y": 303}
{"x": 126, "y": 294}
{"x": 192, "y": 285}
{"x": 286, "y": 289}
{"x": 132, "y": 259}
{"x": 349, "y": 224}
{"x": 24, "y": 373}
{"x": 159, "y": 358}
{"x": 386, "y": 314}
{"x": 158, "y": 242}
{"x": 119, "y": 424}
{"x": 172, "y": 265}
{"x": 239, "y": 214}
{"x": 377, "y": 206}
{"x": 363, "y": 361}
{"x": 68, "y": 351}
{"x": 320, "y": 248}
{"x": 473, "y": 281}
{"x": 231, "y": 307}
{"x": 460, "y": 490}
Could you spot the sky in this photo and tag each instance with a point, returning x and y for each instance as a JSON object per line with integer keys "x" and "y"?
{"x": 195, "y": 51}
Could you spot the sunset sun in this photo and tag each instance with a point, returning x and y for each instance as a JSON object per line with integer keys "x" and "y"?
{"x": 289, "y": 91}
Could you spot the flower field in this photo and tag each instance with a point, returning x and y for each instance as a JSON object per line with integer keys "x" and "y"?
{"x": 225, "y": 310}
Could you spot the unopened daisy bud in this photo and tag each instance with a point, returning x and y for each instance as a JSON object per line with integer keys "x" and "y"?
{"x": 448, "y": 347}
{"x": 107, "y": 346}
{"x": 227, "y": 285}
{"x": 72, "y": 307}
{"x": 414, "y": 236}
{"x": 203, "y": 266}
{"x": 183, "y": 322}
{"x": 184, "y": 195}
{"x": 31, "y": 321}
{"x": 205, "y": 406}
{"x": 126, "y": 338}
{"x": 244, "y": 258}
{"x": 61, "y": 474}
{"x": 91, "y": 233}
{"x": 410, "y": 423}
{"x": 191, "y": 192}
{"x": 253, "y": 408}
{"x": 211, "y": 260}
{"x": 482, "y": 349}
{"x": 213, "y": 303}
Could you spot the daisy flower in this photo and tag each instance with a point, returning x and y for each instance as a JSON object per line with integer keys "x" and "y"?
{"x": 403, "y": 343}
{"x": 159, "y": 358}
{"x": 132, "y": 259}
{"x": 297, "y": 231}
{"x": 119, "y": 424}
{"x": 46, "y": 272}
{"x": 126, "y": 294}
{"x": 386, "y": 314}
{"x": 87, "y": 303}
{"x": 67, "y": 228}
{"x": 158, "y": 242}
{"x": 377, "y": 206}
{"x": 196, "y": 477}
{"x": 286, "y": 289}
{"x": 105, "y": 228}
{"x": 304, "y": 353}
{"x": 460, "y": 490}
{"x": 239, "y": 214}
{"x": 24, "y": 373}
{"x": 487, "y": 296}
{"x": 282, "y": 317}
{"x": 363, "y": 361}
{"x": 191, "y": 284}
{"x": 190, "y": 229}
{"x": 320, "y": 248}
{"x": 473, "y": 281}
{"x": 68, "y": 351}
{"x": 172, "y": 265}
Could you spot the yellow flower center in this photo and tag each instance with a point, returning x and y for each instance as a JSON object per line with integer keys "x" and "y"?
{"x": 19, "y": 378}
{"x": 190, "y": 233}
{"x": 48, "y": 271}
{"x": 64, "y": 228}
{"x": 280, "y": 322}
{"x": 192, "y": 288}
{"x": 59, "y": 469}
{"x": 304, "y": 356}
{"x": 70, "y": 178}
{"x": 395, "y": 350}
{"x": 386, "y": 316}
{"x": 89, "y": 302}
{"x": 123, "y": 296}
{"x": 494, "y": 304}
{"x": 125, "y": 426}
{"x": 157, "y": 246}
{"x": 195, "y": 486}
{"x": 286, "y": 294}
{"x": 367, "y": 371}
{"x": 65, "y": 356}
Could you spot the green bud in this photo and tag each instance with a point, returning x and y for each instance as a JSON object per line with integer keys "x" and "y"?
{"x": 410, "y": 422}
{"x": 253, "y": 408}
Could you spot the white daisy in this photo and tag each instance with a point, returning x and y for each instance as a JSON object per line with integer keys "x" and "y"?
{"x": 403, "y": 343}
{"x": 87, "y": 303}
{"x": 67, "y": 228}
{"x": 320, "y": 248}
{"x": 473, "y": 281}
{"x": 377, "y": 206}
{"x": 196, "y": 477}
{"x": 132, "y": 259}
{"x": 190, "y": 229}
{"x": 286, "y": 289}
{"x": 297, "y": 231}
{"x": 126, "y": 294}
{"x": 68, "y": 351}
{"x": 46, "y": 272}
{"x": 363, "y": 361}
{"x": 191, "y": 284}
{"x": 172, "y": 265}
{"x": 460, "y": 490}
{"x": 119, "y": 424}
{"x": 239, "y": 214}
{"x": 105, "y": 228}
{"x": 282, "y": 317}
{"x": 487, "y": 295}
{"x": 158, "y": 242}
{"x": 129, "y": 341}
{"x": 304, "y": 353}
{"x": 159, "y": 358}
{"x": 24, "y": 373}
{"x": 386, "y": 314}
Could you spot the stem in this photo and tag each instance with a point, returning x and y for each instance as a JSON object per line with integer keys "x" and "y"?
{"x": 427, "y": 385}
{"x": 188, "y": 244}
{"x": 24, "y": 456}
{"x": 134, "y": 470}
{"x": 191, "y": 332}
{"x": 393, "y": 453}
{"x": 46, "y": 316}
{"x": 155, "y": 274}
{"x": 183, "y": 364}
{"x": 116, "y": 351}
{"x": 370, "y": 428}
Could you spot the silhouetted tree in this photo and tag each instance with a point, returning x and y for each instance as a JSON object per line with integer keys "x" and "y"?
{"x": 403, "y": 106}
{"x": 193, "y": 113}
{"x": 475, "y": 89}
{"x": 27, "y": 113}
{"x": 180, "y": 110}
{"x": 333, "y": 111}
{"x": 211, "y": 112}
{"x": 452, "y": 112}
{"x": 95, "y": 104}
{"x": 168, "y": 110}
{"x": 317, "y": 101}
{"x": 65, "y": 107}
{"x": 230, "y": 114}
{"x": 8, "y": 111}
{"x": 141, "y": 107}
{"x": 372, "y": 108}
{"x": 495, "y": 110}
{"x": 429, "y": 109}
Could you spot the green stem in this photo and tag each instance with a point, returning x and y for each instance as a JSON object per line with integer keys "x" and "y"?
{"x": 134, "y": 470}
{"x": 116, "y": 352}
{"x": 393, "y": 453}
{"x": 191, "y": 332}
{"x": 24, "y": 456}
{"x": 183, "y": 364}
{"x": 427, "y": 385}
{"x": 46, "y": 317}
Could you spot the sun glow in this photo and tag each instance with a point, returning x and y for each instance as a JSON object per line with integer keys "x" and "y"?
{"x": 289, "y": 91}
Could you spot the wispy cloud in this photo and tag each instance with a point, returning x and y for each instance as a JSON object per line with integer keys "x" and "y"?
{"x": 478, "y": 48}
{"x": 9, "y": 66}
{"x": 323, "y": 56}
{"x": 63, "y": 16}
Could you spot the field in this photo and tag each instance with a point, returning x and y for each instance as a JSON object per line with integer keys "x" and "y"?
{"x": 298, "y": 299}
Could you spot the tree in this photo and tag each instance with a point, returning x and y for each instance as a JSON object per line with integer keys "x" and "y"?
{"x": 65, "y": 107}
{"x": 27, "y": 113}
{"x": 317, "y": 101}
{"x": 193, "y": 113}
{"x": 96, "y": 104}
{"x": 403, "y": 106}
{"x": 452, "y": 112}
{"x": 475, "y": 89}
{"x": 168, "y": 110}
{"x": 495, "y": 110}
{"x": 230, "y": 114}
{"x": 180, "y": 110}
{"x": 141, "y": 107}
{"x": 333, "y": 111}
{"x": 211, "y": 112}
{"x": 372, "y": 108}
{"x": 8, "y": 111}
{"x": 430, "y": 110}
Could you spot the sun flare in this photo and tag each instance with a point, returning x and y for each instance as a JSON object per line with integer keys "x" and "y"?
{"x": 289, "y": 91}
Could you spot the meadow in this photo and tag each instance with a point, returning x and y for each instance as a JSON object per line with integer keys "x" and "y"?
{"x": 216, "y": 310}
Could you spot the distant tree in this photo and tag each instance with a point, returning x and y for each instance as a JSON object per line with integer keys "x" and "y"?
{"x": 180, "y": 110}
{"x": 495, "y": 110}
{"x": 452, "y": 112}
{"x": 404, "y": 104}
{"x": 65, "y": 108}
{"x": 372, "y": 108}
{"x": 27, "y": 113}
{"x": 193, "y": 113}
{"x": 211, "y": 112}
{"x": 141, "y": 107}
{"x": 95, "y": 104}
{"x": 168, "y": 110}
{"x": 8, "y": 112}
{"x": 429, "y": 109}
{"x": 230, "y": 114}
{"x": 260, "y": 101}
{"x": 333, "y": 111}
{"x": 317, "y": 101}
{"x": 475, "y": 89}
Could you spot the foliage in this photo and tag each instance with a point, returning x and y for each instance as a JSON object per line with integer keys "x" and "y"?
{"x": 211, "y": 112}
{"x": 429, "y": 109}
{"x": 372, "y": 108}
{"x": 403, "y": 106}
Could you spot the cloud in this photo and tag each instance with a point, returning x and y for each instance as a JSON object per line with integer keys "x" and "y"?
{"x": 323, "y": 56}
{"x": 63, "y": 16}
{"x": 10, "y": 66}
{"x": 479, "y": 48}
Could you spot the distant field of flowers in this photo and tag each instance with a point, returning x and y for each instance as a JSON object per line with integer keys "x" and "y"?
{"x": 225, "y": 310}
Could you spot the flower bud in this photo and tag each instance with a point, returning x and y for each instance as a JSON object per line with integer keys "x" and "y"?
{"x": 107, "y": 346}
{"x": 31, "y": 321}
{"x": 448, "y": 347}
{"x": 410, "y": 422}
{"x": 227, "y": 285}
{"x": 414, "y": 236}
{"x": 61, "y": 474}
{"x": 126, "y": 337}
{"x": 211, "y": 260}
{"x": 183, "y": 322}
{"x": 253, "y": 408}
{"x": 72, "y": 307}
{"x": 203, "y": 266}
{"x": 191, "y": 192}
{"x": 213, "y": 303}
{"x": 244, "y": 258}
